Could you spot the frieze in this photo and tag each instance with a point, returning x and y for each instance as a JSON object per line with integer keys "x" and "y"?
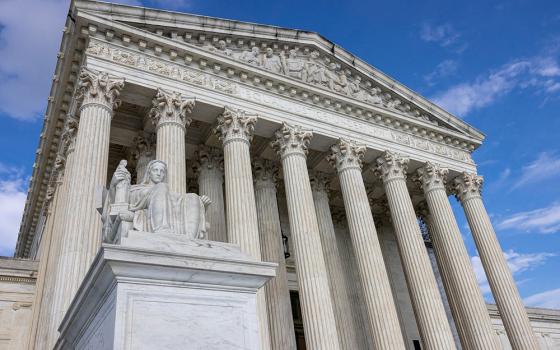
{"x": 203, "y": 79}
{"x": 313, "y": 68}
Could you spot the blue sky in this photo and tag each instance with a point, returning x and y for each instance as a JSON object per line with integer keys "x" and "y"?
{"x": 494, "y": 64}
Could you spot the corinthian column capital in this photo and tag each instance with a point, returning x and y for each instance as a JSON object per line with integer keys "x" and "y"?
{"x": 320, "y": 182}
{"x": 235, "y": 124}
{"x": 99, "y": 88}
{"x": 346, "y": 154}
{"x": 431, "y": 176}
{"x": 210, "y": 158}
{"x": 170, "y": 107}
{"x": 391, "y": 166}
{"x": 467, "y": 186}
{"x": 291, "y": 139}
{"x": 265, "y": 173}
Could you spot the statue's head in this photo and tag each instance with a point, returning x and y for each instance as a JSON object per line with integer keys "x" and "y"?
{"x": 156, "y": 172}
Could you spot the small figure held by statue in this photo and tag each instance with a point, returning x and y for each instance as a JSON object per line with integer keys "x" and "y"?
{"x": 150, "y": 206}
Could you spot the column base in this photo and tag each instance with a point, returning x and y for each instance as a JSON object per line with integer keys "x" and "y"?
{"x": 157, "y": 291}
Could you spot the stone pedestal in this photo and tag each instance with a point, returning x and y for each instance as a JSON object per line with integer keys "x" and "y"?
{"x": 157, "y": 291}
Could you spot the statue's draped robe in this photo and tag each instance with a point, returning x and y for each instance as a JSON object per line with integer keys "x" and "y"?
{"x": 158, "y": 210}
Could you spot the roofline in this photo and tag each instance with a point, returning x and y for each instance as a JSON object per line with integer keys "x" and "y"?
{"x": 143, "y": 15}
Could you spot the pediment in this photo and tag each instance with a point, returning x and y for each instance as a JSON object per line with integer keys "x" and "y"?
{"x": 299, "y": 56}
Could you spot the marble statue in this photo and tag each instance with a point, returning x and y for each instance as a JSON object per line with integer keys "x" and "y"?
{"x": 313, "y": 71}
{"x": 251, "y": 57}
{"x": 272, "y": 62}
{"x": 293, "y": 65}
{"x": 150, "y": 206}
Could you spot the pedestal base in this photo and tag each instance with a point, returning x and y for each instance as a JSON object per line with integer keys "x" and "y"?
{"x": 166, "y": 292}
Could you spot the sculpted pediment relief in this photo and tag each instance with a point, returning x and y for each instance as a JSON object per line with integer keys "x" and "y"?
{"x": 308, "y": 65}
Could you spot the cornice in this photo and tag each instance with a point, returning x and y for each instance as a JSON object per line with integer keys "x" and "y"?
{"x": 175, "y": 23}
{"x": 131, "y": 39}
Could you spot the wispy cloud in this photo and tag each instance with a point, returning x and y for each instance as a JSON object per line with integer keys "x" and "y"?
{"x": 442, "y": 70}
{"x": 546, "y": 166}
{"x": 30, "y": 34}
{"x": 543, "y": 220}
{"x": 12, "y": 201}
{"x": 540, "y": 73}
{"x": 549, "y": 299}
{"x": 517, "y": 262}
{"x": 445, "y": 35}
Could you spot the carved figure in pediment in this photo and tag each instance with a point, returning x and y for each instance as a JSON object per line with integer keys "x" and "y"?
{"x": 373, "y": 96}
{"x": 394, "y": 103}
{"x": 313, "y": 70}
{"x": 354, "y": 86}
{"x": 222, "y": 48}
{"x": 251, "y": 57}
{"x": 272, "y": 62}
{"x": 150, "y": 206}
{"x": 341, "y": 85}
{"x": 331, "y": 77}
{"x": 293, "y": 65}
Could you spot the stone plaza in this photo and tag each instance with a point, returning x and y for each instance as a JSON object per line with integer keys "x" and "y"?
{"x": 203, "y": 183}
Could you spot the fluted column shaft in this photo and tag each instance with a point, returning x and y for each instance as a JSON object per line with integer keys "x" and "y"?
{"x": 282, "y": 334}
{"x": 316, "y": 304}
{"x": 210, "y": 183}
{"x": 169, "y": 115}
{"x": 466, "y": 301}
{"x": 383, "y": 319}
{"x": 342, "y": 308}
{"x": 514, "y": 316}
{"x": 40, "y": 302}
{"x": 51, "y": 314}
{"x": 235, "y": 129}
{"x": 424, "y": 293}
{"x": 82, "y": 225}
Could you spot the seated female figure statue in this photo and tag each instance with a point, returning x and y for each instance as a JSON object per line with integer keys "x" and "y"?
{"x": 150, "y": 206}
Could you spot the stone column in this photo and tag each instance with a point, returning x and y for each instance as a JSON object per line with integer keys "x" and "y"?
{"x": 88, "y": 173}
{"x": 342, "y": 308}
{"x": 235, "y": 129}
{"x": 282, "y": 334}
{"x": 316, "y": 304}
{"x": 426, "y": 299}
{"x": 143, "y": 153}
{"x": 468, "y": 306}
{"x": 209, "y": 170}
{"x": 384, "y": 325}
{"x": 467, "y": 188}
{"x": 169, "y": 115}
{"x": 47, "y": 332}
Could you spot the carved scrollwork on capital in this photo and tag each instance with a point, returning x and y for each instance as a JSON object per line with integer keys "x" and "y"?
{"x": 346, "y": 154}
{"x": 291, "y": 139}
{"x": 391, "y": 166}
{"x": 265, "y": 173}
{"x": 320, "y": 182}
{"x": 208, "y": 158}
{"x": 235, "y": 124}
{"x": 99, "y": 88}
{"x": 170, "y": 107}
{"x": 467, "y": 186}
{"x": 431, "y": 176}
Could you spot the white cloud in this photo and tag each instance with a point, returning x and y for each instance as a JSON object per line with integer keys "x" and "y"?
{"x": 444, "y": 35}
{"x": 549, "y": 299}
{"x": 542, "y": 220}
{"x": 517, "y": 263}
{"x": 29, "y": 39}
{"x": 12, "y": 201}
{"x": 442, "y": 70}
{"x": 546, "y": 166}
{"x": 540, "y": 73}
{"x": 30, "y": 34}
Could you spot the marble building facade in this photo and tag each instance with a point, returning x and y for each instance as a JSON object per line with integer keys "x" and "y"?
{"x": 312, "y": 158}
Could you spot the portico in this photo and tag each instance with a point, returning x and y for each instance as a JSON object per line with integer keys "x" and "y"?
{"x": 225, "y": 108}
